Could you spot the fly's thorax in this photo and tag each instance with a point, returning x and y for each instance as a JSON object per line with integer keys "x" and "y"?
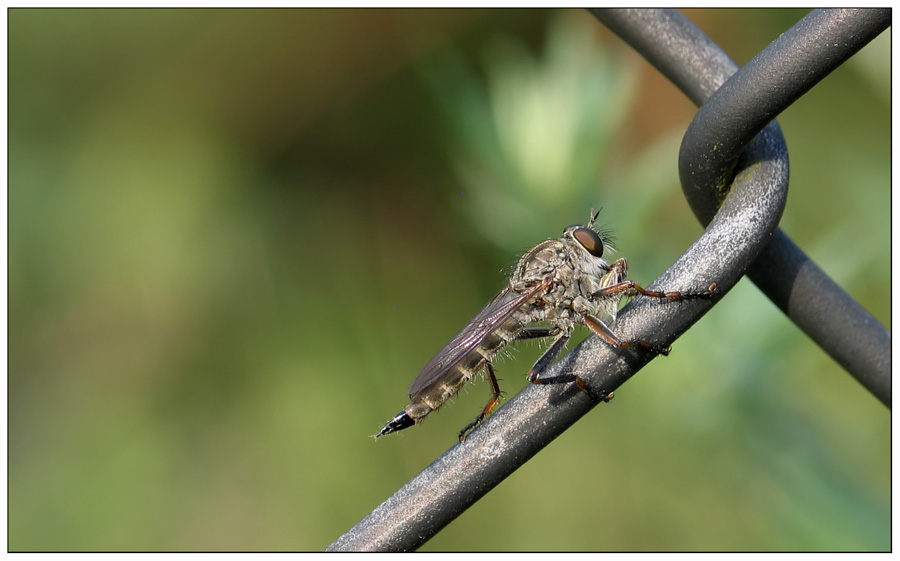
{"x": 563, "y": 306}
{"x": 543, "y": 259}
{"x": 562, "y": 317}
{"x": 565, "y": 259}
{"x": 576, "y": 277}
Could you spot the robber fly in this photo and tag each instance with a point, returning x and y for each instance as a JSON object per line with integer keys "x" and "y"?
{"x": 562, "y": 282}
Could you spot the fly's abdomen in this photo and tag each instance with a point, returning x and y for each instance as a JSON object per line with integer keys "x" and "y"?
{"x": 446, "y": 387}
{"x": 449, "y": 383}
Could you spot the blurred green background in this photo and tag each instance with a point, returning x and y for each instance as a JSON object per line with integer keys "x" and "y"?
{"x": 236, "y": 236}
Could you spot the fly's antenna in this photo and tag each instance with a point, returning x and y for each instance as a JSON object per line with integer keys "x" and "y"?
{"x": 594, "y": 216}
{"x": 609, "y": 246}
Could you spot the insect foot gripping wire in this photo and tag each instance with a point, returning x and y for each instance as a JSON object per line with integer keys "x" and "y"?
{"x": 562, "y": 282}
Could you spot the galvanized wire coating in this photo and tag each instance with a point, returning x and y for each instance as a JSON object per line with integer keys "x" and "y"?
{"x": 734, "y": 238}
{"x": 733, "y": 111}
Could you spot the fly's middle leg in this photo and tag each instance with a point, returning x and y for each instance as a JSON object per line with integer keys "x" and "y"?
{"x": 534, "y": 375}
{"x": 536, "y": 333}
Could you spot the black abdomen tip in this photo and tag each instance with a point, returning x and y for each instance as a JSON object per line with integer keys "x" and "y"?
{"x": 400, "y": 422}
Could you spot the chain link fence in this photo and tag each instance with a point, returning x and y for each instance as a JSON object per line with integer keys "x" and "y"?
{"x": 734, "y": 173}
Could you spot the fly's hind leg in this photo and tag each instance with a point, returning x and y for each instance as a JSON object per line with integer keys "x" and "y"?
{"x": 534, "y": 375}
{"x": 492, "y": 402}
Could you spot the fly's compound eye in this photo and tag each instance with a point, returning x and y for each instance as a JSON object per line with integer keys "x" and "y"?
{"x": 589, "y": 240}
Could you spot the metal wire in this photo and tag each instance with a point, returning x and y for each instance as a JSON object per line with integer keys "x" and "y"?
{"x": 735, "y": 237}
{"x": 733, "y": 112}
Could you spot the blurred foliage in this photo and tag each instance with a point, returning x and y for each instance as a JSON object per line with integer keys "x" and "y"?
{"x": 236, "y": 235}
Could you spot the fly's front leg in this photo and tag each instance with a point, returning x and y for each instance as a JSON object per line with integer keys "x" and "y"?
{"x": 492, "y": 402}
{"x": 616, "y": 283}
{"x": 633, "y": 287}
{"x": 534, "y": 375}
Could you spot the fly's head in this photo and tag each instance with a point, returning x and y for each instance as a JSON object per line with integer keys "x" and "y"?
{"x": 586, "y": 247}
{"x": 574, "y": 263}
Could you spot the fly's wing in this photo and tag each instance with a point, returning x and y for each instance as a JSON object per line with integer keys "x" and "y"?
{"x": 473, "y": 334}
